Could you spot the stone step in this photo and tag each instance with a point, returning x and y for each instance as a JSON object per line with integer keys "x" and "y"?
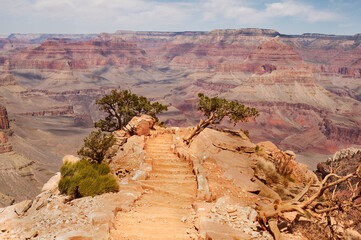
{"x": 172, "y": 189}
{"x": 152, "y": 153}
{"x": 171, "y": 171}
{"x": 155, "y": 149}
{"x": 145, "y": 230}
{"x": 162, "y": 214}
{"x": 162, "y": 156}
{"x": 173, "y": 192}
{"x": 161, "y": 182}
{"x": 166, "y": 158}
{"x": 170, "y": 176}
{"x": 165, "y": 148}
{"x": 159, "y": 143}
{"x": 169, "y": 204}
{"x": 168, "y": 163}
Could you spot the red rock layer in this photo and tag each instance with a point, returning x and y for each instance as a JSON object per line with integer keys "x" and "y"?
{"x": 4, "y": 121}
{"x": 341, "y": 132}
{"x": 4, "y": 145}
{"x": 275, "y": 52}
{"x": 62, "y": 55}
{"x": 54, "y": 111}
{"x": 6, "y": 78}
{"x": 266, "y": 58}
{"x": 4, "y": 125}
{"x": 286, "y": 77}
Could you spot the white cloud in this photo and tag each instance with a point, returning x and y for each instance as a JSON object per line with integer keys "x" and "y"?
{"x": 151, "y": 14}
{"x": 101, "y": 11}
{"x": 243, "y": 14}
{"x": 300, "y": 10}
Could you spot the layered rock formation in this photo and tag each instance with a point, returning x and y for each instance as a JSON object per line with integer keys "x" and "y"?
{"x": 5, "y": 146}
{"x": 61, "y": 55}
{"x": 4, "y": 120}
{"x": 305, "y": 87}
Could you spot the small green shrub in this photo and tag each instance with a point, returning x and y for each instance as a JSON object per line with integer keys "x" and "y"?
{"x": 96, "y": 146}
{"x": 84, "y": 178}
{"x": 290, "y": 178}
{"x": 257, "y": 148}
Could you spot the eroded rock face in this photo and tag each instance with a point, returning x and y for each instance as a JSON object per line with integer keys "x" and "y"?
{"x": 224, "y": 168}
{"x": 5, "y": 146}
{"x": 140, "y": 125}
{"x": 256, "y": 66}
{"x": 261, "y": 168}
{"x": 4, "y": 120}
{"x": 306, "y": 87}
{"x": 85, "y": 218}
{"x": 63, "y": 55}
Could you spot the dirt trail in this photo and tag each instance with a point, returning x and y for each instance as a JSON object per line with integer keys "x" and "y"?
{"x": 165, "y": 210}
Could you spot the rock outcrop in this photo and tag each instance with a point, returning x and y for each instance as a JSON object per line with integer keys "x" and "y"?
{"x": 4, "y": 120}
{"x": 5, "y": 146}
{"x": 53, "y": 111}
{"x": 49, "y": 216}
{"x": 140, "y": 125}
{"x": 169, "y": 190}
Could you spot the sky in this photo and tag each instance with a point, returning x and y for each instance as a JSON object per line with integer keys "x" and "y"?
{"x": 341, "y": 17}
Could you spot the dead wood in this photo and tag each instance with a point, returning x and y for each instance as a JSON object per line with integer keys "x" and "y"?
{"x": 269, "y": 214}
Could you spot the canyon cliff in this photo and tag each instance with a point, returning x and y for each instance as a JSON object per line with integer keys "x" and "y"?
{"x": 306, "y": 87}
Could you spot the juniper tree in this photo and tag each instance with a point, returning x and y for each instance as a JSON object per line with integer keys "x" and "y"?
{"x": 96, "y": 145}
{"x": 121, "y": 106}
{"x": 216, "y": 109}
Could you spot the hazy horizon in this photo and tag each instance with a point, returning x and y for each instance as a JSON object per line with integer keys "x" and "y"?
{"x": 291, "y": 17}
{"x": 97, "y": 33}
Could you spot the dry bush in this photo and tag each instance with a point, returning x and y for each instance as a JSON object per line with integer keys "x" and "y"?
{"x": 308, "y": 203}
{"x": 267, "y": 172}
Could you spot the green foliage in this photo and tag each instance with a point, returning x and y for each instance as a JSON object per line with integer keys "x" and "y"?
{"x": 290, "y": 178}
{"x": 257, "y": 148}
{"x": 121, "y": 106}
{"x": 84, "y": 178}
{"x": 96, "y": 145}
{"x": 217, "y": 108}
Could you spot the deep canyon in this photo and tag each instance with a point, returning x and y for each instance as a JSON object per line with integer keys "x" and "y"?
{"x": 306, "y": 87}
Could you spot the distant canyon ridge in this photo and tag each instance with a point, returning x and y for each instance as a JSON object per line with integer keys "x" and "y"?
{"x": 306, "y": 87}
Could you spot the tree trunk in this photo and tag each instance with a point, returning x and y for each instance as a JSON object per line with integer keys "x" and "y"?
{"x": 200, "y": 127}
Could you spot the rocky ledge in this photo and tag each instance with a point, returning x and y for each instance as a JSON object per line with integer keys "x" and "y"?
{"x": 208, "y": 190}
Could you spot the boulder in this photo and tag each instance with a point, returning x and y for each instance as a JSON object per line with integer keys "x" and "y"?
{"x": 100, "y": 218}
{"x": 268, "y": 146}
{"x": 215, "y": 230}
{"x": 52, "y": 183}
{"x": 140, "y": 125}
{"x": 121, "y": 137}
